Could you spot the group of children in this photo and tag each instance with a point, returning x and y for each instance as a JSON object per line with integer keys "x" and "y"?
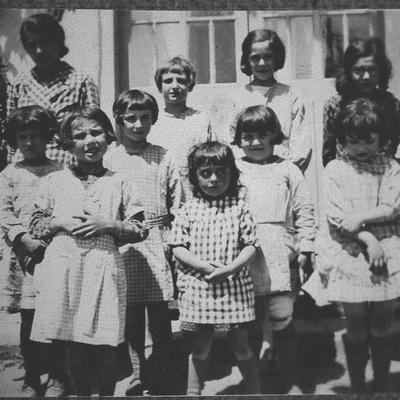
{"x": 103, "y": 242}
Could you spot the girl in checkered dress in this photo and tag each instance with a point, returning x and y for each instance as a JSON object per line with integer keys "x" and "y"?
{"x": 213, "y": 238}
{"x": 87, "y": 212}
{"x": 149, "y": 275}
{"x": 361, "y": 264}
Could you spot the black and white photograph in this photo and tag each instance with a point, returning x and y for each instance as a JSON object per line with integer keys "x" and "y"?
{"x": 200, "y": 200}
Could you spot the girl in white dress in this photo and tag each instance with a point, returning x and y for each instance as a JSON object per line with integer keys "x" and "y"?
{"x": 87, "y": 212}
{"x": 213, "y": 238}
{"x": 280, "y": 203}
{"x": 361, "y": 264}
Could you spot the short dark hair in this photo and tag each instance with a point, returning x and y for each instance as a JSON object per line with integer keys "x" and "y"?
{"x": 359, "y": 119}
{"x": 261, "y": 35}
{"x": 359, "y": 49}
{"x": 213, "y": 153}
{"x": 258, "y": 119}
{"x": 47, "y": 25}
{"x": 134, "y": 99}
{"x": 30, "y": 117}
{"x": 89, "y": 113}
{"x": 177, "y": 65}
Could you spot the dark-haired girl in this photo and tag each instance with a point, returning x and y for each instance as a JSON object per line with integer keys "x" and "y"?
{"x": 366, "y": 72}
{"x": 361, "y": 265}
{"x": 263, "y": 54}
{"x": 29, "y": 129}
{"x": 52, "y": 83}
{"x": 87, "y": 212}
{"x": 213, "y": 238}
{"x": 280, "y": 203}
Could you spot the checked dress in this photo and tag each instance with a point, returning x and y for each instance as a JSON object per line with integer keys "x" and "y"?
{"x": 215, "y": 230}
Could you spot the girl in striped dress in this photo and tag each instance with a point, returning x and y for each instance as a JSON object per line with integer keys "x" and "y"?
{"x": 213, "y": 238}
{"x": 361, "y": 265}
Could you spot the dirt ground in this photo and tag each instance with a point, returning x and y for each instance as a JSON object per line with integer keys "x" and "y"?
{"x": 320, "y": 363}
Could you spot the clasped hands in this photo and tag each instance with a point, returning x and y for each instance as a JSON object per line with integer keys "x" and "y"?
{"x": 219, "y": 272}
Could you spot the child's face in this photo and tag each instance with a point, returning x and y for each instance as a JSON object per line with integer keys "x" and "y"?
{"x": 262, "y": 60}
{"x": 365, "y": 74}
{"x": 88, "y": 140}
{"x": 31, "y": 144}
{"x": 213, "y": 179}
{"x": 137, "y": 124}
{"x": 174, "y": 87}
{"x": 362, "y": 150}
{"x": 257, "y": 145}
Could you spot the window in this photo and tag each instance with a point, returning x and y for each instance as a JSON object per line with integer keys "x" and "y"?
{"x": 340, "y": 29}
{"x": 207, "y": 38}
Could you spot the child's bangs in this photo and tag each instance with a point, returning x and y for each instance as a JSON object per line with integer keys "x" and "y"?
{"x": 257, "y": 122}
{"x": 361, "y": 126}
{"x": 140, "y": 103}
{"x": 211, "y": 156}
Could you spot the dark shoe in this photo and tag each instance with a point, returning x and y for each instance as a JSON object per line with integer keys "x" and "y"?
{"x": 381, "y": 354}
{"x": 356, "y": 357}
{"x": 55, "y": 388}
{"x": 135, "y": 388}
{"x": 28, "y": 391}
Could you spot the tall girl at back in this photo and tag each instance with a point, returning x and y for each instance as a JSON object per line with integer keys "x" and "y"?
{"x": 279, "y": 200}
{"x": 263, "y": 55}
{"x": 86, "y": 212}
{"x": 213, "y": 237}
{"x": 361, "y": 266}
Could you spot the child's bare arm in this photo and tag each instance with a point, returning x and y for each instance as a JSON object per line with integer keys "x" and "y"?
{"x": 220, "y": 274}
{"x": 352, "y": 223}
{"x": 187, "y": 258}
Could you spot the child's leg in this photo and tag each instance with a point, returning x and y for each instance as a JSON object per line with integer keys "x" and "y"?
{"x": 356, "y": 343}
{"x": 201, "y": 342}
{"x": 161, "y": 334}
{"x": 255, "y": 332}
{"x": 78, "y": 369}
{"x": 247, "y": 363}
{"x": 280, "y": 312}
{"x": 108, "y": 368}
{"x": 135, "y": 334}
{"x": 380, "y": 340}
{"x": 31, "y": 351}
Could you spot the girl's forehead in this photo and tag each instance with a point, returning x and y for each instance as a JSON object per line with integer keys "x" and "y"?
{"x": 85, "y": 124}
{"x": 261, "y": 47}
{"x": 29, "y": 131}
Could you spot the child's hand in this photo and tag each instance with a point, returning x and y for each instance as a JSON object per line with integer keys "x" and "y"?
{"x": 91, "y": 225}
{"x": 67, "y": 224}
{"x": 306, "y": 264}
{"x": 32, "y": 246}
{"x": 377, "y": 259}
{"x": 350, "y": 224}
{"x": 219, "y": 274}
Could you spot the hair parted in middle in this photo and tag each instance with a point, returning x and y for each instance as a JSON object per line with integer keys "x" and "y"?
{"x": 30, "y": 117}
{"x": 361, "y": 48}
{"x": 260, "y": 119}
{"x": 134, "y": 99}
{"x": 176, "y": 65}
{"x": 46, "y": 25}
{"x": 87, "y": 113}
{"x": 262, "y": 35}
{"x": 213, "y": 153}
{"x": 359, "y": 119}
